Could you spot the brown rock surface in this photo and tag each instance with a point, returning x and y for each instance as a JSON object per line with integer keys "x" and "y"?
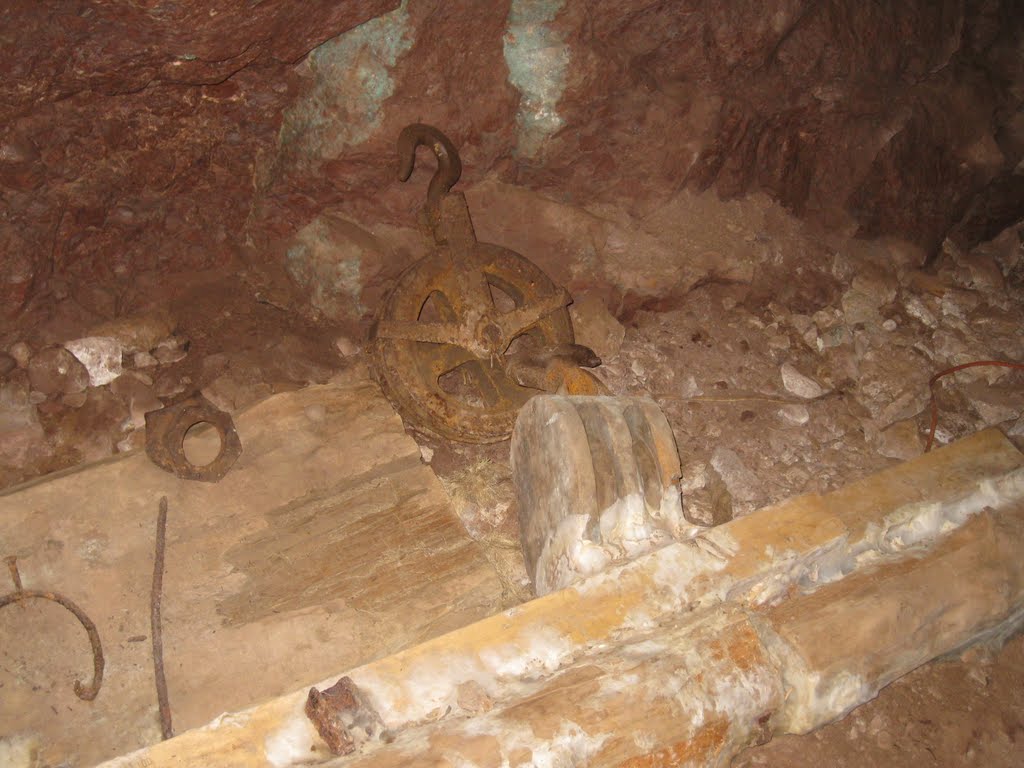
{"x": 163, "y": 136}
{"x": 130, "y": 130}
{"x": 55, "y": 371}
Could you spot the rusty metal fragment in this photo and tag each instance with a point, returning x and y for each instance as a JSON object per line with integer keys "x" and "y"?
{"x": 165, "y": 437}
{"x": 156, "y": 628}
{"x": 84, "y": 692}
{"x": 343, "y": 718}
{"x": 471, "y": 331}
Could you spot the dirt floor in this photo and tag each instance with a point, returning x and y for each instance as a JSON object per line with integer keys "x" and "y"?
{"x": 811, "y": 376}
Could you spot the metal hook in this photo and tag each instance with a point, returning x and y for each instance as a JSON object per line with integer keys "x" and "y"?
{"x": 449, "y": 166}
{"x": 85, "y": 692}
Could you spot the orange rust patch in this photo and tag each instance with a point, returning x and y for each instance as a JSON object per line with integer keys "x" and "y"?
{"x": 745, "y": 648}
{"x": 705, "y": 744}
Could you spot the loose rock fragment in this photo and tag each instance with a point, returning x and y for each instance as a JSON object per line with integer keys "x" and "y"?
{"x": 137, "y": 333}
{"x": 55, "y": 371}
{"x": 917, "y": 309}
{"x": 346, "y": 346}
{"x": 798, "y": 384}
{"x": 101, "y": 355}
{"x": 860, "y": 307}
{"x": 994, "y": 404}
{"x": 21, "y": 353}
{"x": 144, "y": 360}
{"x": 794, "y": 414}
{"x": 741, "y": 482}
{"x": 595, "y": 327}
{"x": 694, "y": 477}
{"x": 900, "y": 441}
{"x": 170, "y": 351}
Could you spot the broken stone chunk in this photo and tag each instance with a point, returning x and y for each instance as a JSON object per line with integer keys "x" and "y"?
{"x": 346, "y": 346}
{"x": 170, "y": 351}
{"x": 994, "y": 404}
{"x": 55, "y": 371}
{"x": 742, "y": 483}
{"x": 21, "y": 353}
{"x": 860, "y": 307}
{"x": 595, "y": 327}
{"x": 794, "y": 414}
{"x": 7, "y": 363}
{"x": 900, "y": 441}
{"x": 144, "y": 360}
{"x": 101, "y": 356}
{"x": 916, "y": 308}
{"x": 137, "y": 333}
{"x": 694, "y": 477}
{"x": 798, "y": 384}
{"x": 802, "y": 323}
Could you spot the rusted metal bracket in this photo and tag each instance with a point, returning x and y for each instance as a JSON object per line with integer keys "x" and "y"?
{"x": 343, "y": 718}
{"x": 165, "y": 438}
{"x": 471, "y": 331}
{"x": 84, "y": 692}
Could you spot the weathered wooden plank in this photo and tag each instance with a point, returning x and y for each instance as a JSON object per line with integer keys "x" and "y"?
{"x": 753, "y": 562}
{"x": 328, "y": 544}
{"x": 698, "y": 691}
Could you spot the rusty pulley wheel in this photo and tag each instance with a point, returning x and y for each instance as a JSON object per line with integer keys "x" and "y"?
{"x": 440, "y": 338}
{"x": 471, "y": 331}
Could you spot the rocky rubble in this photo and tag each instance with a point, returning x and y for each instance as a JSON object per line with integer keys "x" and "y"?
{"x": 82, "y": 399}
{"x": 187, "y": 136}
{"x": 770, "y": 398}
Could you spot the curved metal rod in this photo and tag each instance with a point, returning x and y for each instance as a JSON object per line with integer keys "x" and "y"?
{"x": 84, "y": 692}
{"x": 449, "y": 166}
{"x": 166, "y": 724}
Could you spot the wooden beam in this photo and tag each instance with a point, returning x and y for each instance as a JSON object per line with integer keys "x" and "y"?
{"x": 310, "y": 556}
{"x": 685, "y": 605}
{"x": 696, "y": 692}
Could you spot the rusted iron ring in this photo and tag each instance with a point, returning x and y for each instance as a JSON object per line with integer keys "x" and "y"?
{"x": 165, "y": 438}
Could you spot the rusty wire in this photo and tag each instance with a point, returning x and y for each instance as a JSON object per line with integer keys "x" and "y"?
{"x": 84, "y": 692}
{"x": 166, "y": 727}
{"x": 934, "y": 379}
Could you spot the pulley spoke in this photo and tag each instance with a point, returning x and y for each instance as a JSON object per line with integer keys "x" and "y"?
{"x": 430, "y": 333}
{"x": 521, "y": 319}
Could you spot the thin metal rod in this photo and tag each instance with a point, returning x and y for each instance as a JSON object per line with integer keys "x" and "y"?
{"x": 166, "y": 727}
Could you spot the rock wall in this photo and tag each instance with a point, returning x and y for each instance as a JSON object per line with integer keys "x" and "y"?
{"x": 168, "y": 137}
{"x": 128, "y": 132}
